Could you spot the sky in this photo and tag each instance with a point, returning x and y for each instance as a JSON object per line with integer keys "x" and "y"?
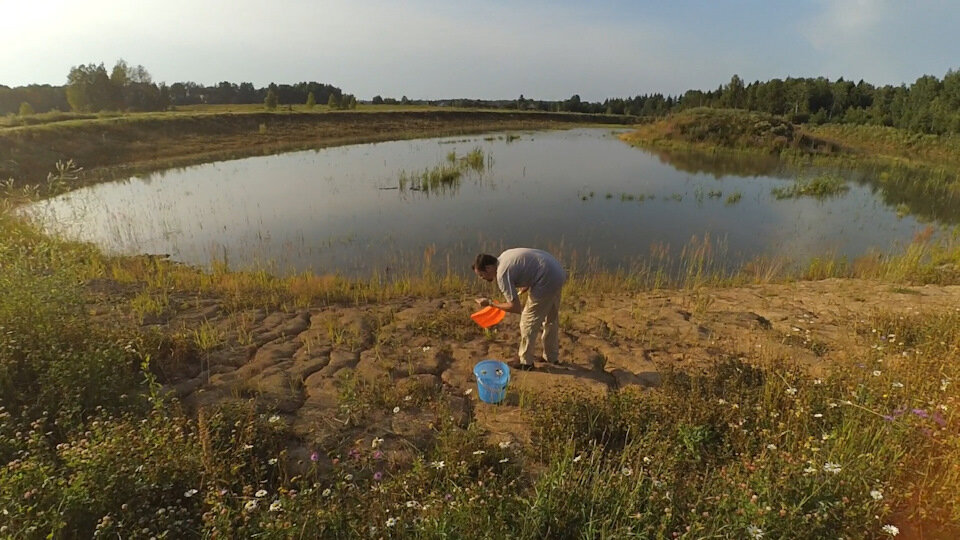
{"x": 492, "y": 49}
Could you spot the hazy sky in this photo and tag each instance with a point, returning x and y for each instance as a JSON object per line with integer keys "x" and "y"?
{"x": 484, "y": 49}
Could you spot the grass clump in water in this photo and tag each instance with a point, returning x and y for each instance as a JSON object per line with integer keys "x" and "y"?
{"x": 445, "y": 175}
{"x": 819, "y": 187}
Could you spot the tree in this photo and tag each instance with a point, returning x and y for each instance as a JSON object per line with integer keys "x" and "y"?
{"x": 311, "y": 100}
{"x": 377, "y": 100}
{"x": 333, "y": 101}
{"x": 270, "y": 102}
{"x": 26, "y": 109}
{"x": 734, "y": 94}
{"x": 89, "y": 89}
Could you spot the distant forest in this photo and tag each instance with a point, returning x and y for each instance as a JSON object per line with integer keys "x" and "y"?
{"x": 929, "y": 105}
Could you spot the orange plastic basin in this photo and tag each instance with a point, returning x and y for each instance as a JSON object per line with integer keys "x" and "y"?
{"x": 488, "y": 316}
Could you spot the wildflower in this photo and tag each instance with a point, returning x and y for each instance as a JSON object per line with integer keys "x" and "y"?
{"x": 479, "y": 452}
{"x": 275, "y": 506}
{"x": 892, "y": 530}
{"x": 377, "y": 454}
{"x": 791, "y": 391}
{"x": 939, "y": 419}
{"x": 412, "y": 504}
{"x": 314, "y": 456}
{"x": 272, "y": 461}
{"x": 897, "y": 385}
{"x": 771, "y": 446}
{"x": 831, "y": 467}
{"x": 251, "y": 505}
{"x": 818, "y": 382}
{"x": 876, "y": 494}
{"x": 407, "y": 398}
{"x": 396, "y": 410}
{"x": 327, "y": 492}
{"x": 755, "y": 532}
{"x": 809, "y": 470}
{"x": 504, "y": 460}
{"x": 920, "y": 412}
{"x": 274, "y": 419}
{"x": 647, "y": 459}
{"x": 722, "y": 401}
{"x": 391, "y": 522}
{"x": 378, "y": 476}
{"x": 438, "y": 465}
{"x": 578, "y": 458}
{"x": 626, "y": 471}
{"x": 876, "y": 373}
{"x": 377, "y": 441}
{"x": 261, "y": 493}
{"x": 504, "y": 445}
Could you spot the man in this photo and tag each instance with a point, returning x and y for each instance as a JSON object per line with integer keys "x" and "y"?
{"x": 523, "y": 269}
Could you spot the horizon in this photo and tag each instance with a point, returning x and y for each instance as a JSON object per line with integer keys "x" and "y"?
{"x": 429, "y": 50}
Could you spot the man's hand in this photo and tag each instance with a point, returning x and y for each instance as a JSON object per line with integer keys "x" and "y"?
{"x": 484, "y": 302}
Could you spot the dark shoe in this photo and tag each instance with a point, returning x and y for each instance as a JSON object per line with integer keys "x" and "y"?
{"x": 520, "y": 366}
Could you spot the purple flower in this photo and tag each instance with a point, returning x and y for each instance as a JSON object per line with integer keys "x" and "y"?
{"x": 448, "y": 496}
{"x": 377, "y": 455}
{"x": 378, "y": 476}
{"x": 314, "y": 456}
{"x": 355, "y": 454}
{"x": 940, "y": 420}
{"x": 889, "y": 418}
{"x": 921, "y": 413}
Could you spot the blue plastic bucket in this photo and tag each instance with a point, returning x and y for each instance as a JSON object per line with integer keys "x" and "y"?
{"x": 492, "y": 378}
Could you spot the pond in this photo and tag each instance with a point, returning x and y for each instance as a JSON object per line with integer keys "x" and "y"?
{"x": 363, "y": 209}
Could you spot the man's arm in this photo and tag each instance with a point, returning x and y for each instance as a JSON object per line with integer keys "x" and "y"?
{"x": 511, "y": 307}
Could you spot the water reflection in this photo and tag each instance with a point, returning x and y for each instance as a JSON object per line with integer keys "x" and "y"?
{"x": 581, "y": 193}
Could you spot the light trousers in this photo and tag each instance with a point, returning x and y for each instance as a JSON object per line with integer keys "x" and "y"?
{"x": 540, "y": 314}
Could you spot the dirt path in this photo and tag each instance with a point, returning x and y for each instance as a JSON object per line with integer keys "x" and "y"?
{"x": 306, "y": 364}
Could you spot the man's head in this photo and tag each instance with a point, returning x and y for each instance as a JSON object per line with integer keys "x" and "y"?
{"x": 485, "y": 266}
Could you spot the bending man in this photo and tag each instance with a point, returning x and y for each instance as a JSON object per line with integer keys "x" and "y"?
{"x": 523, "y": 269}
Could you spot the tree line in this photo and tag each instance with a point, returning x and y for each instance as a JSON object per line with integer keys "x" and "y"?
{"x": 91, "y": 88}
{"x": 928, "y": 105}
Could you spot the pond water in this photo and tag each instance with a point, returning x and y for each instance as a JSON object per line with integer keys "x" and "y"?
{"x": 581, "y": 193}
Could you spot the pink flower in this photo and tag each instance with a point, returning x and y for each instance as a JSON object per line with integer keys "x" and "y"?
{"x": 378, "y": 476}
{"x": 377, "y": 455}
{"x": 314, "y": 456}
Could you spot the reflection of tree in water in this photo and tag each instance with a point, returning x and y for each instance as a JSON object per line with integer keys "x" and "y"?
{"x": 723, "y": 163}
{"x": 925, "y": 193}
{"x": 930, "y": 195}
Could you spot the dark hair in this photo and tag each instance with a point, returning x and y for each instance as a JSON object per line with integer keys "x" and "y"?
{"x": 483, "y": 260}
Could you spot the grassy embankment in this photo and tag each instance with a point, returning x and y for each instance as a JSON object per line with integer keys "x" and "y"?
{"x": 90, "y": 447}
{"x": 111, "y": 145}
{"x": 925, "y": 166}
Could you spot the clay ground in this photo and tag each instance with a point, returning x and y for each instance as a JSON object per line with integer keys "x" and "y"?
{"x": 312, "y": 367}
